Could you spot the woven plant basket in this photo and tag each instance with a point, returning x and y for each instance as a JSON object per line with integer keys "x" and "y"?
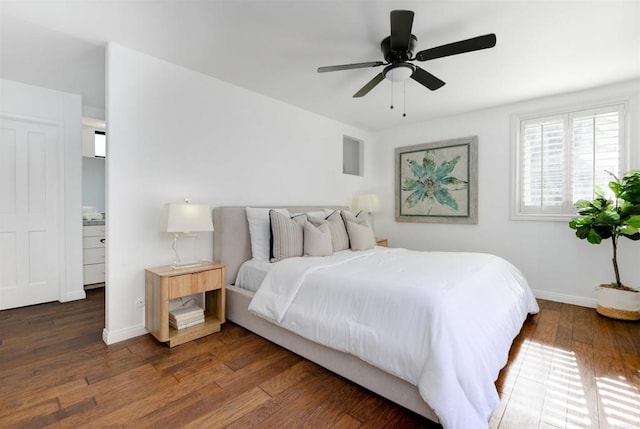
{"x": 618, "y": 304}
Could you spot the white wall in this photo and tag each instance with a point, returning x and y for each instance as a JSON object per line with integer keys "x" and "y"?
{"x": 66, "y": 110}
{"x": 175, "y": 133}
{"x": 557, "y": 265}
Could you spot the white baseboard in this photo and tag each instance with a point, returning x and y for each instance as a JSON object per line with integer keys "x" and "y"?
{"x": 74, "y": 295}
{"x": 123, "y": 334}
{"x": 564, "y": 298}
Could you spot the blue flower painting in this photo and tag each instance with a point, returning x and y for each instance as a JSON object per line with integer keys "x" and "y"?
{"x": 432, "y": 182}
{"x": 435, "y": 181}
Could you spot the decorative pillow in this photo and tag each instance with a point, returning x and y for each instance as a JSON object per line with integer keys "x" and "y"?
{"x": 361, "y": 235}
{"x": 260, "y": 232}
{"x": 286, "y": 235}
{"x": 317, "y": 214}
{"x": 317, "y": 237}
{"x": 339, "y": 237}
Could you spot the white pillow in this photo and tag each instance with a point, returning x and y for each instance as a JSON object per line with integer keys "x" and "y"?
{"x": 317, "y": 237}
{"x": 361, "y": 235}
{"x": 316, "y": 214}
{"x": 286, "y": 235}
{"x": 339, "y": 237}
{"x": 260, "y": 231}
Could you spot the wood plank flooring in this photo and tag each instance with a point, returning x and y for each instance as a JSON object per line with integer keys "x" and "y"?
{"x": 569, "y": 368}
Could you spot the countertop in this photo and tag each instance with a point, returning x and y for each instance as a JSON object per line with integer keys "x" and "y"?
{"x": 86, "y": 222}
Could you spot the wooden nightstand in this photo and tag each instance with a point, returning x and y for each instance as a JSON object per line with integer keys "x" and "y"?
{"x": 165, "y": 283}
{"x": 382, "y": 242}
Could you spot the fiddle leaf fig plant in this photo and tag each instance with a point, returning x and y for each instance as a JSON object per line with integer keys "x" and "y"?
{"x": 603, "y": 218}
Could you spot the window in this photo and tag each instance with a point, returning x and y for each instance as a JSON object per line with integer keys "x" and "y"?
{"x": 100, "y": 144}
{"x": 561, "y": 158}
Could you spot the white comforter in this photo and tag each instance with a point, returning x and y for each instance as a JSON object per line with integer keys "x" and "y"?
{"x": 442, "y": 321}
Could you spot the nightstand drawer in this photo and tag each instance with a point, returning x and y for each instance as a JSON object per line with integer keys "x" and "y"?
{"x": 186, "y": 284}
{"x": 210, "y": 280}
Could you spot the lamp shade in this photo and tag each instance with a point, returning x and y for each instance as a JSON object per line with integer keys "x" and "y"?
{"x": 186, "y": 218}
{"x": 369, "y": 203}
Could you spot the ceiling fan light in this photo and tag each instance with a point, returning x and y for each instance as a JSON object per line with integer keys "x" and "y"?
{"x": 399, "y": 72}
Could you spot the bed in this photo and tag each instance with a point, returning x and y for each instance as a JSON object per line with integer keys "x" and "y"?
{"x": 232, "y": 246}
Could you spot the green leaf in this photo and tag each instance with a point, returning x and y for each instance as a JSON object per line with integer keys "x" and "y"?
{"x": 580, "y": 222}
{"x": 411, "y": 185}
{"x": 584, "y": 221}
{"x": 582, "y": 204}
{"x": 428, "y": 163}
{"x": 588, "y": 211}
{"x": 452, "y": 181}
{"x": 416, "y": 169}
{"x": 593, "y": 237}
{"x": 608, "y": 217}
{"x": 412, "y": 199}
{"x": 446, "y": 167}
{"x": 630, "y": 187}
{"x": 630, "y": 195}
{"x": 628, "y": 230}
{"x": 444, "y": 197}
{"x": 634, "y": 221}
{"x": 598, "y": 191}
{"x": 604, "y": 231}
{"x": 582, "y": 232}
{"x": 616, "y": 188}
{"x": 634, "y": 237}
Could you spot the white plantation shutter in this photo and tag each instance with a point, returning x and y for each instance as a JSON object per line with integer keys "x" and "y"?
{"x": 596, "y": 150}
{"x": 542, "y": 165}
{"x": 563, "y": 157}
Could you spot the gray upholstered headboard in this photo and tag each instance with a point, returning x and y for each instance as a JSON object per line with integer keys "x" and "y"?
{"x": 231, "y": 241}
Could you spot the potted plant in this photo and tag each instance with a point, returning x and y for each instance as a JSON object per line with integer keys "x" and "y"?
{"x": 604, "y": 218}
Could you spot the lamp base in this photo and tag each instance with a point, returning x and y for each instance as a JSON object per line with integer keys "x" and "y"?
{"x": 188, "y": 264}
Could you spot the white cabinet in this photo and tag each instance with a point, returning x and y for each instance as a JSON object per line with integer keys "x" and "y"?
{"x": 93, "y": 253}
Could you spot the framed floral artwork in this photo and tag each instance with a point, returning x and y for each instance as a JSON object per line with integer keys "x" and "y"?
{"x": 438, "y": 182}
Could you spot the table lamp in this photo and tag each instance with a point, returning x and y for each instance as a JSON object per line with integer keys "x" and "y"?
{"x": 186, "y": 218}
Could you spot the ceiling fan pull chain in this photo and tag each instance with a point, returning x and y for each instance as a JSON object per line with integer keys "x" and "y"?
{"x": 404, "y": 99}
{"x": 391, "y": 92}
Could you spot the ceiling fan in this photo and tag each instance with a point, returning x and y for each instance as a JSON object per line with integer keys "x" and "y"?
{"x": 397, "y": 50}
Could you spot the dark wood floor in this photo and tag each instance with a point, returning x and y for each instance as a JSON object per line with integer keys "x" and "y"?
{"x": 569, "y": 368}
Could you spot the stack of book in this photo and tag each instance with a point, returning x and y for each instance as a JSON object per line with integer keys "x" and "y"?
{"x": 184, "y": 317}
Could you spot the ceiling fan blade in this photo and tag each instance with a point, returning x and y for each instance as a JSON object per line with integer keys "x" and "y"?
{"x": 369, "y": 86}
{"x": 468, "y": 45}
{"x": 401, "y": 23}
{"x": 350, "y": 66}
{"x": 425, "y": 78}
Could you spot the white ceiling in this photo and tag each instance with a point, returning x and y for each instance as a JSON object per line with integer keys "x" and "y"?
{"x": 274, "y": 47}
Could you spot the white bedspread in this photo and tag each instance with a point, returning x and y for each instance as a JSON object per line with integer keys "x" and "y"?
{"x": 442, "y": 321}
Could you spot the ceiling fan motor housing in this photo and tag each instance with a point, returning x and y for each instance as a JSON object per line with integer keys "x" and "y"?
{"x": 392, "y": 56}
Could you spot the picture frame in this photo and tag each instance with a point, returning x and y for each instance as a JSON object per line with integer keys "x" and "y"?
{"x": 437, "y": 182}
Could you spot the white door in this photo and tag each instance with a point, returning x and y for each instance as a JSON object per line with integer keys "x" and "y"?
{"x": 29, "y": 213}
